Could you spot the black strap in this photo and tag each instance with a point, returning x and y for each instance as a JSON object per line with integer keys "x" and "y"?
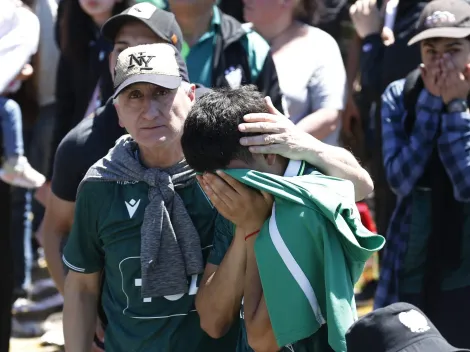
{"x": 413, "y": 87}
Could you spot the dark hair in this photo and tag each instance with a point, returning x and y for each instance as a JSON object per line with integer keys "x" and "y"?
{"x": 211, "y": 139}
{"x": 308, "y": 11}
{"x": 77, "y": 29}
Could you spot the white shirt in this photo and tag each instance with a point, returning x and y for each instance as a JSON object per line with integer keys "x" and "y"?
{"x": 312, "y": 76}
{"x": 19, "y": 40}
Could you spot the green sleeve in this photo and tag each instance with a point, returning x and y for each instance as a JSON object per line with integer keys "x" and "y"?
{"x": 83, "y": 252}
{"x": 223, "y": 235}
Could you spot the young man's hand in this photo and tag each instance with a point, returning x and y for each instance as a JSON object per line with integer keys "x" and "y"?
{"x": 366, "y": 17}
{"x": 431, "y": 76}
{"x": 280, "y": 135}
{"x": 246, "y": 208}
{"x": 454, "y": 83}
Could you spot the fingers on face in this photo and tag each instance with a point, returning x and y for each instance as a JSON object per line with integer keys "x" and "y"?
{"x": 239, "y": 187}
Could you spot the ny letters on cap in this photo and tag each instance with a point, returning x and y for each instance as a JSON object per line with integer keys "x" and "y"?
{"x": 152, "y": 63}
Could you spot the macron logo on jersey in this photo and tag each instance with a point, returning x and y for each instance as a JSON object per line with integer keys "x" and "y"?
{"x": 132, "y": 206}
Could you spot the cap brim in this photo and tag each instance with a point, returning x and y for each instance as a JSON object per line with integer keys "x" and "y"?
{"x": 166, "y": 81}
{"x": 112, "y": 26}
{"x": 432, "y": 344}
{"x": 441, "y": 32}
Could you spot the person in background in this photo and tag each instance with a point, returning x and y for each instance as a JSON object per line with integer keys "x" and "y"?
{"x": 222, "y": 52}
{"x": 379, "y": 65}
{"x": 426, "y": 138}
{"x": 19, "y": 39}
{"x": 83, "y": 79}
{"x": 310, "y": 68}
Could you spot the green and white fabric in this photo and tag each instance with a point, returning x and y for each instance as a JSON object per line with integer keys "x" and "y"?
{"x": 310, "y": 253}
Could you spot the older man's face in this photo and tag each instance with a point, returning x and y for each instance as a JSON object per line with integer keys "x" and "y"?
{"x": 154, "y": 116}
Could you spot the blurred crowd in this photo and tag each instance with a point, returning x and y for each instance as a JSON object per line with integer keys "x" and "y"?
{"x": 342, "y": 71}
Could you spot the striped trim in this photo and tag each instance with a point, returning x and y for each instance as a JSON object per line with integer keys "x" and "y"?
{"x": 73, "y": 267}
{"x": 293, "y": 168}
{"x": 294, "y": 268}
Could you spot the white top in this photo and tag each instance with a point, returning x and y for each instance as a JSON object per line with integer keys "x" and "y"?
{"x": 19, "y": 39}
{"x": 46, "y": 10}
{"x": 312, "y": 76}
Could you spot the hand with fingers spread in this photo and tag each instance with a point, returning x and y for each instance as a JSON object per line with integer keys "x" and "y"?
{"x": 366, "y": 17}
{"x": 246, "y": 208}
{"x": 454, "y": 83}
{"x": 280, "y": 136}
{"x": 431, "y": 75}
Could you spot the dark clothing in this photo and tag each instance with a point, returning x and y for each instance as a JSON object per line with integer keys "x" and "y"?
{"x": 85, "y": 144}
{"x": 233, "y": 8}
{"x": 230, "y": 53}
{"x": 76, "y": 83}
{"x": 380, "y": 66}
{"x": 449, "y": 314}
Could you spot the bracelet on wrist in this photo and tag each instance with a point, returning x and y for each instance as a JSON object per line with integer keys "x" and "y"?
{"x": 251, "y": 234}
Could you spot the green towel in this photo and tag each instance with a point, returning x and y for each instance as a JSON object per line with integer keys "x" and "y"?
{"x": 310, "y": 253}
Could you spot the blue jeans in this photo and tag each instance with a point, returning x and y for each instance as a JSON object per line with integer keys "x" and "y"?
{"x": 23, "y": 206}
{"x": 12, "y": 127}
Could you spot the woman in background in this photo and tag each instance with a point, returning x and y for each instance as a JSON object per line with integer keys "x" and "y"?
{"x": 308, "y": 62}
{"x": 83, "y": 79}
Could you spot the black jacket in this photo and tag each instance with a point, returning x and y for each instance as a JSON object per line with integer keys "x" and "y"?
{"x": 229, "y": 52}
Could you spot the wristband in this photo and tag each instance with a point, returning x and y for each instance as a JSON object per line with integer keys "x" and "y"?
{"x": 251, "y": 234}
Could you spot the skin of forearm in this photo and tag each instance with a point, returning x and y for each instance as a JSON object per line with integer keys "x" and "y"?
{"x": 218, "y": 300}
{"x": 52, "y": 244}
{"x": 338, "y": 162}
{"x": 352, "y": 62}
{"x": 321, "y": 123}
{"x": 79, "y": 317}
{"x": 256, "y": 316}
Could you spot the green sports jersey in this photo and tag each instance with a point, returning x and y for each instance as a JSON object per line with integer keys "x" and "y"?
{"x": 316, "y": 246}
{"x": 106, "y": 236}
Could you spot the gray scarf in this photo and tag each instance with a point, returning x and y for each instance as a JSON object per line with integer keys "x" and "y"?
{"x": 170, "y": 246}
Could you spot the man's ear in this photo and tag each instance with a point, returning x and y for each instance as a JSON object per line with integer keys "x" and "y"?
{"x": 192, "y": 93}
{"x": 270, "y": 159}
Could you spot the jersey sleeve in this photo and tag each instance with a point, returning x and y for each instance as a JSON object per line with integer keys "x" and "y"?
{"x": 83, "y": 252}
{"x": 223, "y": 235}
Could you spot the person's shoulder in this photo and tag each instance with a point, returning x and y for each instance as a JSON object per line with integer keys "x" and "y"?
{"x": 255, "y": 39}
{"x": 394, "y": 91}
{"x": 321, "y": 39}
{"x": 87, "y": 136}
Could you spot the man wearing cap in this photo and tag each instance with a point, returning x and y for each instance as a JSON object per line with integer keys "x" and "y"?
{"x": 426, "y": 134}
{"x": 142, "y": 219}
{"x": 95, "y": 135}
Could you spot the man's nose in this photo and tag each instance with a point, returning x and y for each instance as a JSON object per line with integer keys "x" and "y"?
{"x": 151, "y": 110}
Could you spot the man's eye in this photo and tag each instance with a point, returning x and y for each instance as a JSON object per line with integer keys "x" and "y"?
{"x": 163, "y": 92}
{"x": 135, "y": 94}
